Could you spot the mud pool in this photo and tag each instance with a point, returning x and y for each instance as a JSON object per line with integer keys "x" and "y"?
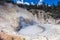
{"x": 31, "y": 28}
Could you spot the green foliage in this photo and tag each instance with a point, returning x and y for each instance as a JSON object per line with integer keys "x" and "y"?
{"x": 52, "y": 15}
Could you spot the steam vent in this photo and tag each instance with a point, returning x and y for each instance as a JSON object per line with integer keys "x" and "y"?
{"x": 17, "y": 23}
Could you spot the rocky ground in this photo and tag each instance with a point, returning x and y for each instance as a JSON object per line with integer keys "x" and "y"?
{"x": 4, "y": 36}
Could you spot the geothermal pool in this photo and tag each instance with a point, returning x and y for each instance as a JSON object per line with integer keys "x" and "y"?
{"x": 32, "y": 28}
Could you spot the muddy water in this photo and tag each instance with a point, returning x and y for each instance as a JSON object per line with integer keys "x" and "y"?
{"x": 30, "y": 28}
